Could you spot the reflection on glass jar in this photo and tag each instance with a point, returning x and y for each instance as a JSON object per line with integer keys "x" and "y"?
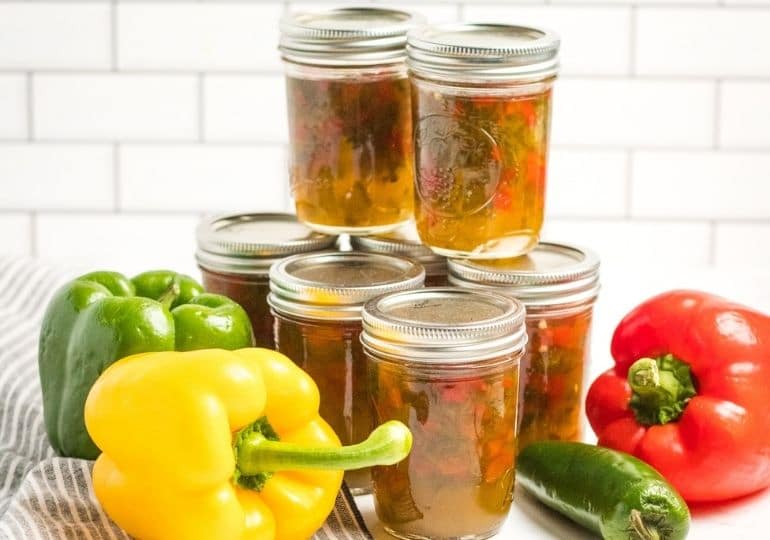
{"x": 405, "y": 241}
{"x": 317, "y": 300}
{"x": 350, "y": 128}
{"x": 482, "y": 117}
{"x": 558, "y": 284}
{"x": 235, "y": 253}
{"x": 445, "y": 362}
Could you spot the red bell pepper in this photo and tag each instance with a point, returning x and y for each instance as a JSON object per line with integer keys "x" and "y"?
{"x": 690, "y": 394}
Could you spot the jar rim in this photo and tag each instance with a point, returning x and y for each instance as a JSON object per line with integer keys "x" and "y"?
{"x": 333, "y": 285}
{"x": 249, "y": 242}
{"x": 405, "y": 242}
{"x": 349, "y": 36}
{"x": 443, "y": 324}
{"x": 551, "y": 275}
{"x": 491, "y": 51}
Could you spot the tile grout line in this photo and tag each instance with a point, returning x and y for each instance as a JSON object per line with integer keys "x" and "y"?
{"x": 632, "y": 33}
{"x": 113, "y": 35}
{"x": 629, "y": 182}
{"x": 30, "y": 107}
{"x": 33, "y": 233}
{"x": 116, "y": 191}
{"x": 717, "y": 112}
{"x": 713, "y": 242}
{"x": 201, "y": 95}
{"x": 670, "y": 78}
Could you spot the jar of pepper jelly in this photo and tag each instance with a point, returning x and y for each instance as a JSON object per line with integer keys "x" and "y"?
{"x": 445, "y": 361}
{"x": 404, "y": 241}
{"x": 350, "y": 129}
{"x": 316, "y": 300}
{"x": 235, "y": 253}
{"x": 481, "y": 102}
{"x": 558, "y": 284}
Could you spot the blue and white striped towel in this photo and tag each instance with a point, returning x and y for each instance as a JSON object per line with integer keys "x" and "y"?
{"x": 42, "y": 496}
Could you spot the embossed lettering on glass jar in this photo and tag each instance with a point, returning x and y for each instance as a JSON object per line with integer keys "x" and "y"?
{"x": 481, "y": 102}
{"x": 317, "y": 300}
{"x": 350, "y": 128}
{"x": 558, "y": 284}
{"x": 235, "y": 252}
{"x": 445, "y": 362}
{"x": 405, "y": 241}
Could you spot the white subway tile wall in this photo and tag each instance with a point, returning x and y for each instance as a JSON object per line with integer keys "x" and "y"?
{"x": 123, "y": 121}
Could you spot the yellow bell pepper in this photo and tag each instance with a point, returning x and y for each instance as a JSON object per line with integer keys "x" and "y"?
{"x": 224, "y": 445}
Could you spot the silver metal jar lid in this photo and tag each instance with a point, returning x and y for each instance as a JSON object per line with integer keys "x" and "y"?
{"x": 336, "y": 285}
{"x": 403, "y": 241}
{"x": 444, "y": 324}
{"x": 251, "y": 243}
{"x": 551, "y": 275}
{"x": 347, "y": 36}
{"x": 485, "y": 51}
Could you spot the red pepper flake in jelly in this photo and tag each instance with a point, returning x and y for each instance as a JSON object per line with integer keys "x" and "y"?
{"x": 317, "y": 300}
{"x": 558, "y": 284}
{"x": 481, "y": 102}
{"x": 350, "y": 126}
{"x": 445, "y": 362}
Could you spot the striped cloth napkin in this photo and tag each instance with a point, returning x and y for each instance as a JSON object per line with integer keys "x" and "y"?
{"x": 42, "y": 496}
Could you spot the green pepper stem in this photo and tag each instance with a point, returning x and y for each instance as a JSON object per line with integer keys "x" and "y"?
{"x": 641, "y": 530}
{"x": 386, "y": 445}
{"x": 170, "y": 295}
{"x": 661, "y": 388}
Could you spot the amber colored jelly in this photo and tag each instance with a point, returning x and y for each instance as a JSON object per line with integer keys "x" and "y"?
{"x": 350, "y": 149}
{"x": 458, "y": 479}
{"x": 331, "y": 353}
{"x": 445, "y": 362}
{"x": 480, "y": 162}
{"x": 317, "y": 300}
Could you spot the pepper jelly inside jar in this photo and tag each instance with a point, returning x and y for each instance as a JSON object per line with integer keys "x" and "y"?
{"x": 317, "y": 301}
{"x": 405, "y": 241}
{"x": 445, "y": 361}
{"x": 235, "y": 253}
{"x": 558, "y": 284}
{"x": 350, "y": 129}
{"x": 481, "y": 102}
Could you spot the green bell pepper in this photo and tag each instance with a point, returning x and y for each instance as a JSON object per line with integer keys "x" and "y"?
{"x": 103, "y": 316}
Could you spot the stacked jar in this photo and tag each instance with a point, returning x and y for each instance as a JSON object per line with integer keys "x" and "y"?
{"x": 405, "y": 241}
{"x": 558, "y": 284}
{"x": 445, "y": 361}
{"x": 481, "y": 102}
{"x": 235, "y": 253}
{"x": 317, "y": 300}
{"x": 350, "y": 128}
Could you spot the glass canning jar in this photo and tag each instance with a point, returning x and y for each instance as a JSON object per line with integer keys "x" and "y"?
{"x": 235, "y": 252}
{"x": 405, "y": 241}
{"x": 559, "y": 285}
{"x": 316, "y": 300}
{"x": 445, "y": 361}
{"x": 481, "y": 107}
{"x": 350, "y": 128}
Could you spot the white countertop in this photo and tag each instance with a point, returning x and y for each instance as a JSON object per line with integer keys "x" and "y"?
{"x": 622, "y": 289}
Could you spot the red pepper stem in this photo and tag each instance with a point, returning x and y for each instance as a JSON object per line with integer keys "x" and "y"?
{"x": 661, "y": 388}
